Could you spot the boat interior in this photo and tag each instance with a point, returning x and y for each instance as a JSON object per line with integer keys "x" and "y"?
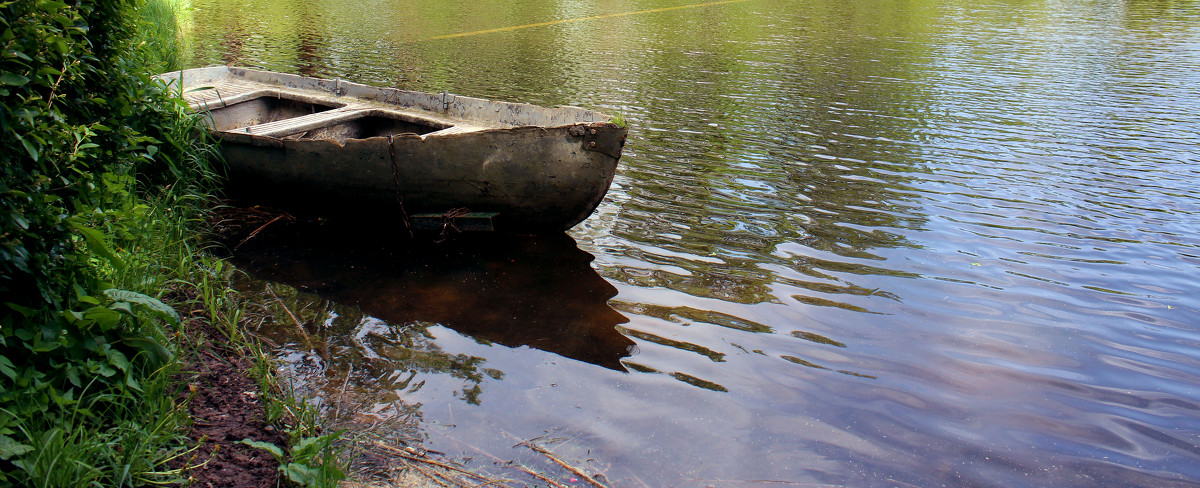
{"x": 264, "y": 109}
{"x": 298, "y": 114}
{"x": 370, "y": 124}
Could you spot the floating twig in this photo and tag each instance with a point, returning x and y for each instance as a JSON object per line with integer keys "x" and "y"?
{"x": 413, "y": 457}
{"x": 261, "y": 227}
{"x": 576, "y": 471}
{"x": 518, "y": 467}
{"x": 296, "y": 321}
{"x": 433, "y": 477}
{"x": 540, "y": 476}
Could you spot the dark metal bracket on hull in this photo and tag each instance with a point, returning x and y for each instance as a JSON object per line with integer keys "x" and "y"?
{"x": 464, "y": 222}
{"x": 601, "y": 141}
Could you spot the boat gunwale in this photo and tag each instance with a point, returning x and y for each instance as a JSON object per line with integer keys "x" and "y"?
{"x": 366, "y": 101}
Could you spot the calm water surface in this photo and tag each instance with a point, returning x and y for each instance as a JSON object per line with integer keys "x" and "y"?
{"x": 853, "y": 243}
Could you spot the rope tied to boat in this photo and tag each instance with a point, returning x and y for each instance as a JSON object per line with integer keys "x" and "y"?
{"x": 396, "y": 186}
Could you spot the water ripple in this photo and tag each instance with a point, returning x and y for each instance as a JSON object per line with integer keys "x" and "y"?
{"x": 950, "y": 243}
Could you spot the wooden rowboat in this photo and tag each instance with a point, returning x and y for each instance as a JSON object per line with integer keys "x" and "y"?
{"x": 332, "y": 145}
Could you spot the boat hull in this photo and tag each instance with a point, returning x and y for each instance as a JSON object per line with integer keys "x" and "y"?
{"x": 533, "y": 178}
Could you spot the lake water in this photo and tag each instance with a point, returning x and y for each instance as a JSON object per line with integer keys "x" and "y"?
{"x": 850, "y": 242}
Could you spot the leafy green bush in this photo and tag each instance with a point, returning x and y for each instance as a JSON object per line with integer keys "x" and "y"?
{"x": 83, "y": 132}
{"x": 310, "y": 463}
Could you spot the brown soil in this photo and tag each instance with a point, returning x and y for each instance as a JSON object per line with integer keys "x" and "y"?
{"x": 225, "y": 408}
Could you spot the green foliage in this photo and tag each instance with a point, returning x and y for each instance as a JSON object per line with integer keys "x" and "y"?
{"x": 77, "y": 123}
{"x": 85, "y": 137}
{"x": 159, "y": 38}
{"x": 313, "y": 460}
{"x": 310, "y": 463}
{"x": 126, "y": 297}
{"x": 619, "y": 121}
{"x": 101, "y": 180}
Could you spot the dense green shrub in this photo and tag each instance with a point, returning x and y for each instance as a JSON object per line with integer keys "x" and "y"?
{"x": 83, "y": 132}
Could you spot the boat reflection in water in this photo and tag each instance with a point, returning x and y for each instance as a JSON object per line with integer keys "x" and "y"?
{"x": 514, "y": 290}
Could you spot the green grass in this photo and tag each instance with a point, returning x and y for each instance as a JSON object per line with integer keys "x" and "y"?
{"x": 161, "y": 25}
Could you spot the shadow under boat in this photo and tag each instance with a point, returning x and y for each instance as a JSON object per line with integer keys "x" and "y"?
{"x": 538, "y": 291}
